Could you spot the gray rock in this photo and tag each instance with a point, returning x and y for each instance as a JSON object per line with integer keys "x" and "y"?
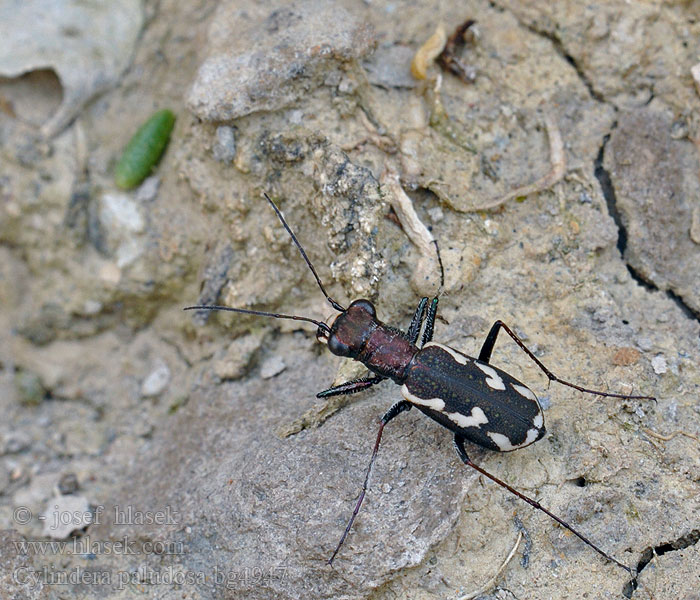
{"x": 118, "y": 229}
{"x": 148, "y": 189}
{"x": 390, "y": 67}
{"x": 16, "y": 441}
{"x": 68, "y": 484}
{"x": 30, "y": 389}
{"x": 272, "y": 366}
{"x": 657, "y": 186}
{"x": 224, "y": 149}
{"x": 88, "y": 46}
{"x": 264, "y": 60}
{"x": 17, "y": 571}
{"x": 65, "y": 514}
{"x": 156, "y": 381}
{"x": 287, "y": 500}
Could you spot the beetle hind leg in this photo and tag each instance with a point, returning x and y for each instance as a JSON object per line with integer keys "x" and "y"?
{"x": 487, "y": 349}
{"x": 393, "y": 412}
{"x": 459, "y": 446}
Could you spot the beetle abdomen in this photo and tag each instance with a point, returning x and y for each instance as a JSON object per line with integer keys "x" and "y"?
{"x": 484, "y": 404}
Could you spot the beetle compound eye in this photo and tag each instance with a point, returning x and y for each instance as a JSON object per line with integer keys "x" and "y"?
{"x": 338, "y": 347}
{"x": 365, "y": 305}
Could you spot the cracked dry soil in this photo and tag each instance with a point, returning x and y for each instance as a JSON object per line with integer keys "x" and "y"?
{"x": 113, "y": 396}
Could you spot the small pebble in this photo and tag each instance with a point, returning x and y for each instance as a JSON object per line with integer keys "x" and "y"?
{"x": 436, "y": 215}
{"x": 65, "y": 514}
{"x": 91, "y": 307}
{"x": 238, "y": 357}
{"x": 695, "y": 72}
{"x": 271, "y": 367}
{"x": 30, "y": 390}
{"x": 679, "y": 129}
{"x": 296, "y": 117}
{"x": 156, "y": 381}
{"x": 68, "y": 484}
{"x": 695, "y": 225}
{"x": 16, "y": 442}
{"x": 659, "y": 364}
{"x": 4, "y": 478}
{"x": 347, "y": 85}
{"x": 602, "y": 315}
{"x": 491, "y": 227}
{"x": 644, "y": 344}
{"x": 224, "y": 148}
{"x": 626, "y": 356}
{"x": 148, "y": 189}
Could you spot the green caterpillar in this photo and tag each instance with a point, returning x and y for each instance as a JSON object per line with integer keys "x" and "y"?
{"x": 144, "y": 150}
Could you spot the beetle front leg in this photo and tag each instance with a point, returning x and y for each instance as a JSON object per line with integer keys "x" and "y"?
{"x": 414, "y": 327}
{"x": 429, "y": 323}
{"x": 351, "y": 387}
{"x": 487, "y": 349}
{"x": 459, "y": 446}
{"x": 393, "y": 412}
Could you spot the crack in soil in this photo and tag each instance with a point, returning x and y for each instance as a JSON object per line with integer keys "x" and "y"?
{"x": 608, "y": 190}
{"x": 561, "y": 50}
{"x": 600, "y": 172}
{"x": 648, "y": 554}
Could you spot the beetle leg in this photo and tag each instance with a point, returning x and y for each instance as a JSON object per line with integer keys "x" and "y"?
{"x": 394, "y": 411}
{"x": 414, "y": 327}
{"x": 487, "y": 349}
{"x": 459, "y": 446}
{"x": 350, "y": 387}
{"x": 429, "y": 322}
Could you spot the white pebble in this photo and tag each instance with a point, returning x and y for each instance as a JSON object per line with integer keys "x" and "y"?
{"x": 436, "y": 215}
{"x": 659, "y": 364}
{"x": 156, "y": 381}
{"x": 224, "y": 148}
{"x": 65, "y": 514}
{"x": 271, "y": 367}
{"x": 148, "y": 189}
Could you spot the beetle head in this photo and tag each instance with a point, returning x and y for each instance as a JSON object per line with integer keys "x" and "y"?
{"x": 351, "y": 329}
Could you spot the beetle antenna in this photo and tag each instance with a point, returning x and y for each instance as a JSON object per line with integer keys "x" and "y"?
{"x": 332, "y": 302}
{"x": 320, "y": 324}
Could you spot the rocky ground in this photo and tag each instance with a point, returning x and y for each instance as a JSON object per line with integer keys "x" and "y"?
{"x": 189, "y": 449}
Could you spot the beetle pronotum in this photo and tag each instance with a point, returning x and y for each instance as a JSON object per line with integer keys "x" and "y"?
{"x": 475, "y": 400}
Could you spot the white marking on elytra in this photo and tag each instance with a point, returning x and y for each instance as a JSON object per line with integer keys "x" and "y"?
{"x": 538, "y": 421}
{"x": 458, "y": 356}
{"x": 477, "y": 418}
{"x": 434, "y": 403}
{"x": 493, "y": 379}
{"x": 531, "y": 437}
{"x": 505, "y": 445}
{"x": 501, "y": 441}
{"x": 523, "y": 391}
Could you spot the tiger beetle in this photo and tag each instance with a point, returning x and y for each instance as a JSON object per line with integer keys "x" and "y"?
{"x": 476, "y": 401}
